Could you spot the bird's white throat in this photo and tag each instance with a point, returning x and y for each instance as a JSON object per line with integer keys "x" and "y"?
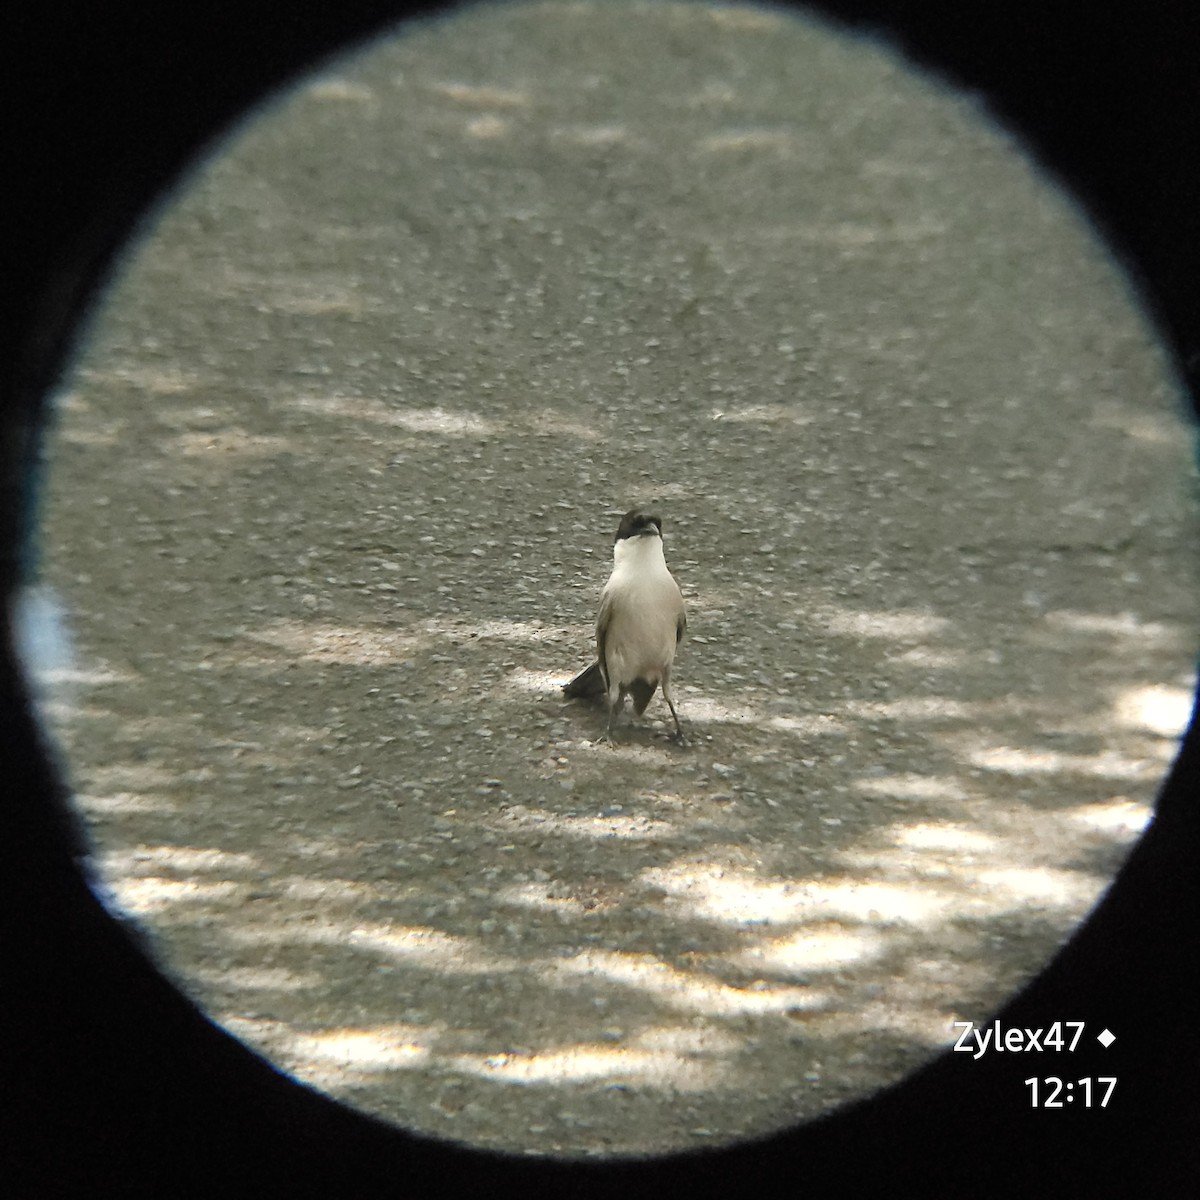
{"x": 643, "y": 553}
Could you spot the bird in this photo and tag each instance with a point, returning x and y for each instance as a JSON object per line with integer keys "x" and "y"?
{"x": 640, "y": 623}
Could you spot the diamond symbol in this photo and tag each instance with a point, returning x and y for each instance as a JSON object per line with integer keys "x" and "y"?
{"x": 1106, "y": 1039}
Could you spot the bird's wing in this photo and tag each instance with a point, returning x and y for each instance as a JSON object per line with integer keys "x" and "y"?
{"x": 680, "y": 619}
{"x": 603, "y": 621}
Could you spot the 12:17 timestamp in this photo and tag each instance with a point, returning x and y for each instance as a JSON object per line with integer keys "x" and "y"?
{"x": 1053, "y": 1092}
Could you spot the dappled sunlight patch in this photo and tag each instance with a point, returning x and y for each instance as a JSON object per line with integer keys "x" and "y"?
{"x": 288, "y": 732}
{"x": 537, "y": 682}
{"x": 545, "y": 421}
{"x": 1107, "y": 764}
{"x": 742, "y": 18}
{"x": 1119, "y": 818}
{"x": 810, "y": 725}
{"x": 96, "y": 437}
{"x": 740, "y": 898}
{"x": 706, "y": 708}
{"x": 420, "y": 945}
{"x": 135, "y": 778}
{"x": 945, "y": 839}
{"x": 318, "y": 301}
{"x": 118, "y": 804}
{"x": 563, "y": 897}
{"x": 989, "y": 874}
{"x": 913, "y": 708}
{"x": 633, "y": 825}
{"x": 258, "y": 978}
{"x": 488, "y": 125}
{"x": 913, "y": 787}
{"x": 1161, "y": 710}
{"x": 230, "y": 443}
{"x": 878, "y": 903}
{"x": 341, "y": 408}
{"x": 482, "y": 95}
{"x": 684, "y": 990}
{"x": 334, "y": 1058}
{"x": 156, "y": 380}
{"x": 157, "y": 728}
{"x": 152, "y": 894}
{"x": 378, "y": 412}
{"x": 531, "y": 632}
{"x": 332, "y": 88}
{"x": 910, "y": 1012}
{"x": 308, "y": 887}
{"x": 638, "y": 740}
{"x": 95, "y": 676}
{"x": 1037, "y": 886}
{"x": 1142, "y": 424}
{"x": 850, "y": 234}
{"x": 386, "y": 1048}
{"x": 749, "y": 138}
{"x": 892, "y": 625}
{"x": 542, "y": 896}
{"x": 313, "y": 849}
{"x": 415, "y": 945}
{"x": 441, "y": 420}
{"x": 182, "y": 858}
{"x": 682, "y": 1059}
{"x": 928, "y": 658}
{"x": 133, "y": 883}
{"x": 322, "y": 642}
{"x": 678, "y": 1059}
{"x": 1120, "y": 625}
{"x": 815, "y": 948}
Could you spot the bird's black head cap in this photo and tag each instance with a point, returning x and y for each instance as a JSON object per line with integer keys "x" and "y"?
{"x": 635, "y": 523}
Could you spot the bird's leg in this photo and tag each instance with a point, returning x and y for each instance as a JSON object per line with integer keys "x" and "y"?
{"x": 615, "y": 704}
{"x": 678, "y": 728}
{"x": 666, "y": 691}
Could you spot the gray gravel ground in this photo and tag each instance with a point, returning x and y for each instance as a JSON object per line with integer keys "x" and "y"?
{"x": 332, "y": 504}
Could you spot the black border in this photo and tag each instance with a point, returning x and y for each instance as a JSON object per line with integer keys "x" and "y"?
{"x": 111, "y": 1083}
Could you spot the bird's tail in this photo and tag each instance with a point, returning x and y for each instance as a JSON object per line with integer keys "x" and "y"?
{"x": 586, "y": 684}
